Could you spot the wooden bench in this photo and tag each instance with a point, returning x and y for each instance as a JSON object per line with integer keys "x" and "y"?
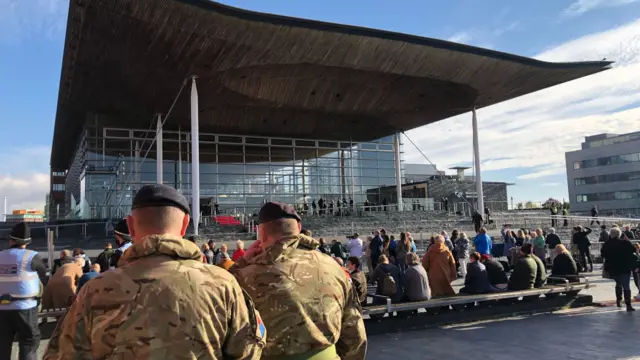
{"x": 389, "y": 308}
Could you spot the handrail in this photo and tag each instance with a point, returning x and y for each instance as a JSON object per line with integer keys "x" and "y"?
{"x": 566, "y": 282}
{"x": 585, "y": 218}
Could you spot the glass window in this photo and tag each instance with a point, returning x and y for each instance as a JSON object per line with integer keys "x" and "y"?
{"x": 252, "y": 140}
{"x": 230, "y": 139}
{"x": 328, "y": 144}
{"x": 281, "y": 142}
{"x": 577, "y": 165}
{"x": 306, "y": 143}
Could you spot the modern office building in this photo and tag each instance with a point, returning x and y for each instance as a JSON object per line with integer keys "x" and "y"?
{"x": 238, "y": 107}
{"x": 605, "y": 172}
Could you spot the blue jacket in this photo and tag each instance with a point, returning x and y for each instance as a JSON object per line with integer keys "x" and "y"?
{"x": 483, "y": 244}
{"x": 18, "y": 280}
{"x": 86, "y": 277}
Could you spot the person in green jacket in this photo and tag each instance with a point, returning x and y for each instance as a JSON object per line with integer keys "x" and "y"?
{"x": 538, "y": 243}
{"x": 525, "y": 270}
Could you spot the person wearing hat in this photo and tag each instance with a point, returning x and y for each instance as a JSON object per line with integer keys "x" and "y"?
{"x": 306, "y": 288}
{"x": 161, "y": 301}
{"x": 21, "y": 271}
{"x": 123, "y": 242}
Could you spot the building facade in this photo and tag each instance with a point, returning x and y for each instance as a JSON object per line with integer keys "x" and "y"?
{"x": 238, "y": 173}
{"x": 605, "y": 172}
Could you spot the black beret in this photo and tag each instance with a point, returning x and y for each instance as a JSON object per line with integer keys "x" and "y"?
{"x": 274, "y": 210}
{"x": 122, "y": 228}
{"x": 159, "y": 195}
{"x": 20, "y": 233}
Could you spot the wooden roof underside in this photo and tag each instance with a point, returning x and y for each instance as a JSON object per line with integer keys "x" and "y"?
{"x": 261, "y": 74}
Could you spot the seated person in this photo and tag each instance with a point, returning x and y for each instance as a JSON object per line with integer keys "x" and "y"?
{"x": 61, "y": 288}
{"x": 495, "y": 271}
{"x": 525, "y": 270}
{"x": 541, "y": 272}
{"x": 95, "y": 271}
{"x": 563, "y": 266}
{"x": 358, "y": 278}
{"x": 477, "y": 279}
{"x": 416, "y": 281}
{"x": 389, "y": 280}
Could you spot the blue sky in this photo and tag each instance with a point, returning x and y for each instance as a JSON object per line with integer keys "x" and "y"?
{"x": 526, "y": 148}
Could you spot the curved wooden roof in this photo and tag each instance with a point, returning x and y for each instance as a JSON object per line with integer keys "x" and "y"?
{"x": 262, "y": 74}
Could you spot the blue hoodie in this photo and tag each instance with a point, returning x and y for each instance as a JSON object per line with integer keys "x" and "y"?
{"x": 483, "y": 244}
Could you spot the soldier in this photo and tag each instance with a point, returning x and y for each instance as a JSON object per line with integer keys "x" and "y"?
{"x": 21, "y": 271}
{"x": 307, "y": 301}
{"x": 123, "y": 240}
{"x": 161, "y": 302}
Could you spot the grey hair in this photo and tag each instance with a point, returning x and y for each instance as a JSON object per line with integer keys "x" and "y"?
{"x": 412, "y": 259}
{"x": 615, "y": 232}
{"x": 552, "y": 231}
{"x": 439, "y": 239}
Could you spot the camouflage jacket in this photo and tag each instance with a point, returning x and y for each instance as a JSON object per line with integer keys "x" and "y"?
{"x": 161, "y": 302}
{"x": 306, "y": 300}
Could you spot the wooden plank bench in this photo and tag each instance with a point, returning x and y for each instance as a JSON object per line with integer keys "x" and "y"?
{"x": 390, "y": 308}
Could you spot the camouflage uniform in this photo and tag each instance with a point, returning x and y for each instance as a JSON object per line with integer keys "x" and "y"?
{"x": 306, "y": 300}
{"x": 161, "y": 302}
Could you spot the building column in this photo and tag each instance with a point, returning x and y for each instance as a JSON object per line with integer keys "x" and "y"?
{"x": 396, "y": 148}
{"x": 159, "y": 152}
{"x": 353, "y": 184}
{"x": 195, "y": 157}
{"x": 476, "y": 157}
{"x": 343, "y": 177}
{"x": 136, "y": 167}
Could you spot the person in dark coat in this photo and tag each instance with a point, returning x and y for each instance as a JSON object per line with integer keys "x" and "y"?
{"x": 375, "y": 248}
{"x": 581, "y": 240}
{"x": 477, "y": 221}
{"x": 619, "y": 262}
{"x": 552, "y": 241}
{"x": 563, "y": 266}
{"x": 477, "y": 279}
{"x": 380, "y": 272}
{"x": 525, "y": 271}
{"x": 497, "y": 276}
{"x": 541, "y": 272}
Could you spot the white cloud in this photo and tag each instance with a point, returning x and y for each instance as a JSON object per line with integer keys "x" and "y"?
{"x": 25, "y": 18}
{"x": 24, "y": 178}
{"x": 462, "y": 37}
{"x": 580, "y": 7}
{"x": 533, "y": 132}
{"x": 550, "y": 184}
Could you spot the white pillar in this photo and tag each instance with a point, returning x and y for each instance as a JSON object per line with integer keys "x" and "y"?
{"x": 476, "y": 157}
{"x": 353, "y": 184}
{"x": 137, "y": 165}
{"x": 195, "y": 157}
{"x": 396, "y": 148}
{"x": 159, "y": 152}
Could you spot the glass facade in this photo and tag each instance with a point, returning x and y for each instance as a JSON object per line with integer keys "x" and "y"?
{"x": 238, "y": 172}
{"x": 608, "y": 178}
{"x": 608, "y": 160}
{"x": 614, "y": 195}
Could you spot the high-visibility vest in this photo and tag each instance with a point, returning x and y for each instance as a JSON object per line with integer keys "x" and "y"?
{"x": 19, "y": 284}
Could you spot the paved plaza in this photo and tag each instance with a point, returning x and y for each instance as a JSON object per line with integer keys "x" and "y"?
{"x": 581, "y": 334}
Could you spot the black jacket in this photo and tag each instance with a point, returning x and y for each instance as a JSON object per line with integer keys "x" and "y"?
{"x": 495, "y": 271}
{"x": 581, "y": 239}
{"x": 477, "y": 280}
{"x": 619, "y": 256}
{"x": 553, "y": 240}
{"x": 564, "y": 265}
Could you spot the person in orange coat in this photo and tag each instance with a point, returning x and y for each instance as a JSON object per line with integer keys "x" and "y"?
{"x": 225, "y": 262}
{"x": 441, "y": 268}
{"x": 61, "y": 288}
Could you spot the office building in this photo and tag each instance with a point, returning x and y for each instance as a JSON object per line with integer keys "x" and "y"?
{"x": 605, "y": 172}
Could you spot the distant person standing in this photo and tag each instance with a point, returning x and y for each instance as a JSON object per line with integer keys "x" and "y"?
{"x": 619, "y": 262}
{"x": 20, "y": 288}
{"x": 554, "y": 215}
{"x": 487, "y": 213}
{"x": 565, "y": 213}
{"x": 375, "y": 247}
{"x": 477, "y": 220}
{"x": 104, "y": 259}
{"x": 594, "y": 215}
{"x": 582, "y": 242}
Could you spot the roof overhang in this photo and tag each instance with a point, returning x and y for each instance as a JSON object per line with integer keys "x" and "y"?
{"x": 269, "y": 75}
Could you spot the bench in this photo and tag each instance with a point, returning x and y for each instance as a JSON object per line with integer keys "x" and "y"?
{"x": 377, "y": 311}
{"x": 55, "y": 313}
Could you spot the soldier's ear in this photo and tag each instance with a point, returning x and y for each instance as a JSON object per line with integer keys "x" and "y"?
{"x": 185, "y": 224}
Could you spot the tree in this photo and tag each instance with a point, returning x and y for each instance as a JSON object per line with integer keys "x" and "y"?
{"x": 529, "y": 205}
{"x": 550, "y": 203}
{"x": 520, "y": 206}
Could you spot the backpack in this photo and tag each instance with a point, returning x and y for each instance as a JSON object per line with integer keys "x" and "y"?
{"x": 388, "y": 285}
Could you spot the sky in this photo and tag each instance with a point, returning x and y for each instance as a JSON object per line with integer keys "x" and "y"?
{"x": 522, "y": 141}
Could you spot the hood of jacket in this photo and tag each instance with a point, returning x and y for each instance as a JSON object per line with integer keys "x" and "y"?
{"x": 438, "y": 248}
{"x": 168, "y": 245}
{"x": 283, "y": 247}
